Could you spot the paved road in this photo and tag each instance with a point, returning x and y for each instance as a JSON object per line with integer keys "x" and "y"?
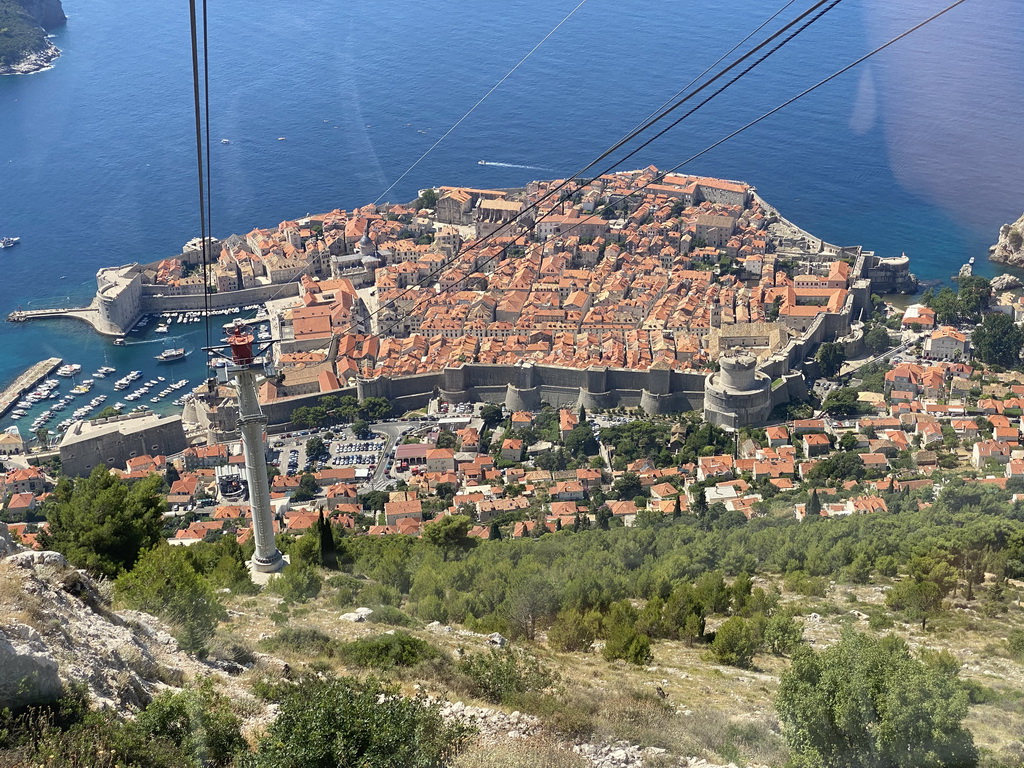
{"x": 393, "y": 432}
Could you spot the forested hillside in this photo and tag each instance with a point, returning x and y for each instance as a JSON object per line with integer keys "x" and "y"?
{"x": 21, "y": 30}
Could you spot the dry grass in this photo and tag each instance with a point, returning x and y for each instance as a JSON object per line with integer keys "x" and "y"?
{"x": 711, "y": 711}
{"x": 16, "y": 603}
{"x": 533, "y": 754}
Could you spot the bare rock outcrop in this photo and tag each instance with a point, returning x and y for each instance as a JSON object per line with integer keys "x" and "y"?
{"x": 1010, "y": 247}
{"x": 56, "y": 630}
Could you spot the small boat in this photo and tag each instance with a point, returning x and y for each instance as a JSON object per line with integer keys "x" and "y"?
{"x": 9, "y": 242}
{"x": 162, "y": 328}
{"x": 171, "y": 355}
{"x": 481, "y": 162}
{"x": 281, "y": 138}
{"x": 225, "y": 141}
{"x": 120, "y": 342}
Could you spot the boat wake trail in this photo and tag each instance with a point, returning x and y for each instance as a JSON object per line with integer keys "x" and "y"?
{"x": 513, "y": 165}
{"x": 162, "y": 340}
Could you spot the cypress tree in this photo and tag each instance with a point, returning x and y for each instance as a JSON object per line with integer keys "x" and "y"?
{"x": 677, "y": 510}
{"x": 328, "y": 550}
{"x": 813, "y": 504}
{"x": 494, "y": 534}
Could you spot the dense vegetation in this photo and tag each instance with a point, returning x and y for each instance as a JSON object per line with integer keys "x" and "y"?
{"x": 688, "y": 577}
{"x": 19, "y": 34}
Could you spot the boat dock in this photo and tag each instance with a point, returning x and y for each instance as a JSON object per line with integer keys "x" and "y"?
{"x": 26, "y": 381}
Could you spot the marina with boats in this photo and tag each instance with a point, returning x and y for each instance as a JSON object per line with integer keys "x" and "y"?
{"x": 52, "y": 394}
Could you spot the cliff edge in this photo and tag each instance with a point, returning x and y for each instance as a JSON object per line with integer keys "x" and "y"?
{"x": 1010, "y": 248}
{"x": 24, "y": 46}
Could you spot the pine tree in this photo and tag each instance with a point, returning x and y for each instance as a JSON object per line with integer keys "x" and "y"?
{"x": 813, "y": 504}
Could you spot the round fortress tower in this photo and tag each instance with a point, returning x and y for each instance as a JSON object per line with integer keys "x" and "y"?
{"x": 738, "y": 395}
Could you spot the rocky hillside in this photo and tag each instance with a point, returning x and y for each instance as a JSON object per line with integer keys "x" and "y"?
{"x": 56, "y": 631}
{"x": 1010, "y": 248}
{"x": 24, "y": 46}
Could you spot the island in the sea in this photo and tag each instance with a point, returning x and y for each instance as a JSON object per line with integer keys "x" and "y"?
{"x": 24, "y": 45}
{"x": 664, "y": 291}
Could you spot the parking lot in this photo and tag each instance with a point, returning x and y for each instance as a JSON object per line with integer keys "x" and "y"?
{"x": 288, "y": 451}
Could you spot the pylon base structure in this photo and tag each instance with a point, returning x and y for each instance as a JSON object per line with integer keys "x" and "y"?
{"x": 243, "y": 364}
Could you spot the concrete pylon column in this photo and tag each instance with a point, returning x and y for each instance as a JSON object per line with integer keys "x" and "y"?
{"x": 252, "y": 424}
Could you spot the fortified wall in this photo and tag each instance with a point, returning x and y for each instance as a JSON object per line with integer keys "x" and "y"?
{"x": 739, "y": 395}
{"x": 115, "y": 440}
{"x": 122, "y": 297}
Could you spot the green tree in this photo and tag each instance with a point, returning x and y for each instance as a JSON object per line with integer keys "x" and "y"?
{"x": 375, "y": 408}
{"x": 830, "y": 357}
{"x": 581, "y": 441}
{"x": 308, "y": 488}
{"x": 998, "y": 341}
{"x": 328, "y": 547}
{"x": 445, "y": 440}
{"x": 530, "y": 604}
{"x": 865, "y": 703}
{"x": 735, "y": 643}
{"x": 165, "y": 583}
{"x": 317, "y": 450}
{"x": 491, "y": 414}
{"x": 813, "y": 504}
{"x": 361, "y": 429}
{"x": 297, "y": 583}
{"x": 347, "y": 723}
{"x": 877, "y": 340}
{"x": 449, "y": 534}
{"x": 973, "y": 296}
{"x": 427, "y": 199}
{"x": 102, "y": 524}
{"x": 918, "y": 600}
{"x": 627, "y": 486}
{"x": 842, "y": 403}
{"x": 849, "y": 441}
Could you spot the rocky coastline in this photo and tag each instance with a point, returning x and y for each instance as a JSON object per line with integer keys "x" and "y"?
{"x": 1009, "y": 249}
{"x": 25, "y": 47}
{"x": 36, "y": 61}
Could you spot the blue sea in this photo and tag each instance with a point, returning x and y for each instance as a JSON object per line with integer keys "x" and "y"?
{"x": 919, "y": 151}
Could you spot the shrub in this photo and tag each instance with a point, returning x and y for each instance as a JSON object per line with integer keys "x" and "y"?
{"x": 347, "y": 723}
{"x": 572, "y": 631}
{"x": 198, "y": 720}
{"x": 297, "y": 583}
{"x": 622, "y": 641}
{"x": 1015, "y": 643}
{"x": 782, "y": 634}
{"x": 388, "y": 614}
{"x": 380, "y": 594}
{"x": 165, "y": 583}
{"x": 735, "y": 643}
{"x": 304, "y": 640}
{"x": 802, "y": 584}
{"x": 399, "y": 649}
{"x": 500, "y": 675}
